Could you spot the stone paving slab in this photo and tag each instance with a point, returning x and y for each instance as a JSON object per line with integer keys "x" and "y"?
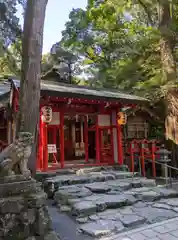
{"x": 52, "y": 184}
{"x": 106, "y": 203}
{"x": 166, "y": 230}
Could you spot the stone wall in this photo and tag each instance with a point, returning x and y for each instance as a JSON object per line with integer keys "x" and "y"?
{"x": 23, "y": 212}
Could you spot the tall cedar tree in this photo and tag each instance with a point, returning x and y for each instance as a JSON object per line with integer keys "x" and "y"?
{"x": 32, "y": 43}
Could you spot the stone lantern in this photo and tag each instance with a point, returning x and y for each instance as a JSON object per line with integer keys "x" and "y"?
{"x": 164, "y": 159}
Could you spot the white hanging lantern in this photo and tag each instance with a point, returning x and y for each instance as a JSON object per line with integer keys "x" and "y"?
{"x": 47, "y": 114}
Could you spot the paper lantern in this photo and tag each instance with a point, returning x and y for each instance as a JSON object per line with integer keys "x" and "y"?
{"x": 121, "y": 118}
{"x": 47, "y": 114}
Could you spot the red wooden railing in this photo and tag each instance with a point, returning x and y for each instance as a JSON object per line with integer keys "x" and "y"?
{"x": 145, "y": 149}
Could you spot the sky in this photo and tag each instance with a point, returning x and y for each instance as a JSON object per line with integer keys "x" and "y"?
{"x": 57, "y": 14}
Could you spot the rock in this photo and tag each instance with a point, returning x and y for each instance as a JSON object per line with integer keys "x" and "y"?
{"x": 175, "y": 209}
{"x": 139, "y": 190}
{"x": 23, "y": 215}
{"x": 84, "y": 171}
{"x": 161, "y": 206}
{"x": 15, "y": 188}
{"x": 43, "y": 222}
{"x": 64, "y": 195}
{"x": 11, "y": 205}
{"x": 49, "y": 188}
{"x": 31, "y": 238}
{"x": 98, "y": 188}
{"x": 7, "y": 222}
{"x": 171, "y": 202}
{"x": 114, "y": 192}
{"x": 166, "y": 192}
{"x": 140, "y": 205}
{"x": 82, "y": 220}
{"x": 119, "y": 185}
{"x": 148, "y": 182}
{"x": 93, "y": 198}
{"x": 115, "y": 201}
{"x": 110, "y": 214}
{"x": 73, "y": 201}
{"x": 94, "y": 217}
{"x": 126, "y": 210}
{"x": 51, "y": 236}
{"x": 15, "y": 179}
{"x": 28, "y": 216}
{"x": 131, "y": 220}
{"x": 153, "y": 215}
{"x": 101, "y": 228}
{"x": 83, "y": 208}
{"x": 122, "y": 174}
{"x": 36, "y": 200}
{"x": 148, "y": 196}
{"x": 136, "y": 183}
{"x": 64, "y": 208}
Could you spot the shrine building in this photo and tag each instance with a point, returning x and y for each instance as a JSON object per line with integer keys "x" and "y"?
{"x": 79, "y": 126}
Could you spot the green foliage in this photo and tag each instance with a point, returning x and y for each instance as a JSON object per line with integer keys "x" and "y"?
{"x": 120, "y": 42}
{"x": 9, "y": 28}
{"x": 10, "y": 62}
{"x": 10, "y": 38}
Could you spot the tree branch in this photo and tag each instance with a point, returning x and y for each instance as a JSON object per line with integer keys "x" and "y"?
{"x": 148, "y": 13}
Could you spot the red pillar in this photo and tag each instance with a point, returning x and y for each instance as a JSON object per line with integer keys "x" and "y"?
{"x": 153, "y": 150}
{"x": 119, "y": 145}
{"x": 97, "y": 141}
{"x": 86, "y": 138}
{"x": 143, "y": 157}
{"x": 61, "y": 127}
{"x": 54, "y": 142}
{"x": 45, "y": 148}
{"x": 39, "y": 165}
{"x": 112, "y": 140}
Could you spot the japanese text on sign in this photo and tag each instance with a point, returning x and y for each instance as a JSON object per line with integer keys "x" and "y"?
{"x": 52, "y": 148}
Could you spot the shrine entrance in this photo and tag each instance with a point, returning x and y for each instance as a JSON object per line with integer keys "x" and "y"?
{"x": 106, "y": 145}
{"x": 53, "y": 138}
{"x": 79, "y": 139}
{"x": 92, "y": 144}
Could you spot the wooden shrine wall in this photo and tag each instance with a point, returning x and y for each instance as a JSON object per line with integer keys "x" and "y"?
{"x": 137, "y": 127}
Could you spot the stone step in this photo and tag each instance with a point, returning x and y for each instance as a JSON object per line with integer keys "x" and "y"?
{"x": 42, "y": 176}
{"x": 83, "y": 202}
{"x": 114, "y": 206}
{"x": 52, "y": 184}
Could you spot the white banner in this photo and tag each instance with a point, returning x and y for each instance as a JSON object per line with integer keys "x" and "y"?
{"x": 52, "y": 148}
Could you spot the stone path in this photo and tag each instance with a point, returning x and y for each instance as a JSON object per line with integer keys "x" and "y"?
{"x": 166, "y": 230}
{"x": 108, "y": 203}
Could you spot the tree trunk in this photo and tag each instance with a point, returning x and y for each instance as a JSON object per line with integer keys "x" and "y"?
{"x": 167, "y": 44}
{"x": 32, "y": 43}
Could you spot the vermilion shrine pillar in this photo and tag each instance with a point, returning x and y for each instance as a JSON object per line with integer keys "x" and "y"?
{"x": 121, "y": 120}
{"x": 61, "y": 127}
{"x": 97, "y": 141}
{"x": 45, "y": 147}
{"x": 86, "y": 138}
{"x": 39, "y": 165}
{"x": 119, "y": 145}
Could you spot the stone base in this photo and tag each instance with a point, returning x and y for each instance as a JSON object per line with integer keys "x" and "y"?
{"x": 23, "y": 213}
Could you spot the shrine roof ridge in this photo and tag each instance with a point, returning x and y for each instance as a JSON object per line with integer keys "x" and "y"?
{"x": 71, "y": 90}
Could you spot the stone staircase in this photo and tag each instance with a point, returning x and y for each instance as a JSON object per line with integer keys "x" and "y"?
{"x": 109, "y": 201}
